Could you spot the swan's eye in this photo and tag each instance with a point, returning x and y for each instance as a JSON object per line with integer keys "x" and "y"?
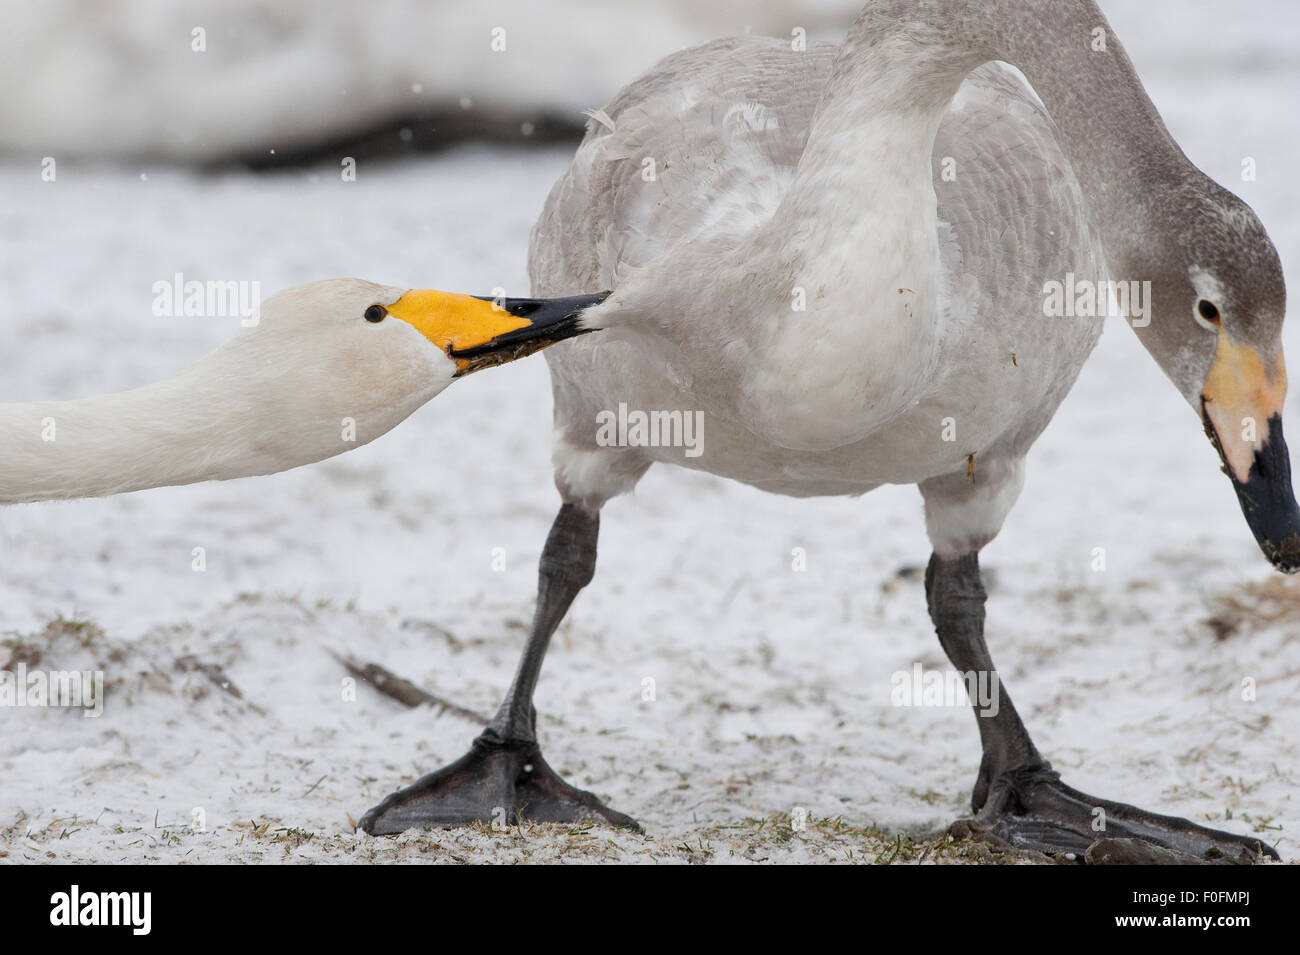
{"x": 377, "y": 313}
{"x": 1209, "y": 311}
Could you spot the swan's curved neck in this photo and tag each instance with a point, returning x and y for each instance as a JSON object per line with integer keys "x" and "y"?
{"x": 1122, "y": 154}
{"x": 908, "y": 57}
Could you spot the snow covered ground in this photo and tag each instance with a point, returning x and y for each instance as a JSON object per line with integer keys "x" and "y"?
{"x": 773, "y": 686}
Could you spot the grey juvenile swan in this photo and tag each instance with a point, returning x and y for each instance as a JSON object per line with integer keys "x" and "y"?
{"x": 816, "y": 178}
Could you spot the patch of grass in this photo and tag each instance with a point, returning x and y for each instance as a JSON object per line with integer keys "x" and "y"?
{"x": 835, "y": 838}
{"x": 929, "y": 797}
{"x": 292, "y": 836}
{"x": 30, "y": 648}
{"x": 1255, "y": 605}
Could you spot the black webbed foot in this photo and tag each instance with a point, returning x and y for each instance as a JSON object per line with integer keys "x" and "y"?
{"x": 496, "y": 781}
{"x": 1031, "y": 809}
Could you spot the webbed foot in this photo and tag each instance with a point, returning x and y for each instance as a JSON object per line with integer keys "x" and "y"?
{"x": 497, "y": 781}
{"x": 1030, "y": 808}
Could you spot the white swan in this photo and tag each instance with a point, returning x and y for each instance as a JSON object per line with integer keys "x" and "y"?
{"x": 327, "y": 367}
{"x": 841, "y": 256}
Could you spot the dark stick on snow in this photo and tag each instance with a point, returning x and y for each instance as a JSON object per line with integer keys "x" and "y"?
{"x": 403, "y": 691}
{"x": 217, "y": 676}
{"x": 192, "y": 664}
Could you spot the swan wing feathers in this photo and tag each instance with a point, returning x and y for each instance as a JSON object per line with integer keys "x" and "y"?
{"x": 706, "y": 143}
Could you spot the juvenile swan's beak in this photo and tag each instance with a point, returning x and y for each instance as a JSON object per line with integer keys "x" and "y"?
{"x": 1241, "y": 406}
{"x": 482, "y": 332}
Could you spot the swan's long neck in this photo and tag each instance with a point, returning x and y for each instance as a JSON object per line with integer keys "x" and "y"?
{"x": 178, "y": 431}
{"x": 243, "y": 410}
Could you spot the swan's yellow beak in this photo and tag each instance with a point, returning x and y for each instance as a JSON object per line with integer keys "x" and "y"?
{"x": 481, "y": 332}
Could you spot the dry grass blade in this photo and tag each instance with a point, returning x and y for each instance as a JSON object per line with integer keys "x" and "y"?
{"x": 403, "y": 690}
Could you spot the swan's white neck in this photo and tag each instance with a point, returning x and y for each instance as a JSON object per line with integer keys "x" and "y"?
{"x": 248, "y": 408}
{"x": 178, "y": 431}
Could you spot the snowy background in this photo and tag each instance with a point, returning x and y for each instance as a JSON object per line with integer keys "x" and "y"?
{"x": 773, "y": 686}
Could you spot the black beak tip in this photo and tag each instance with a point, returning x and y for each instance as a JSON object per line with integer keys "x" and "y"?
{"x": 1268, "y": 501}
{"x": 1285, "y": 558}
{"x": 549, "y": 321}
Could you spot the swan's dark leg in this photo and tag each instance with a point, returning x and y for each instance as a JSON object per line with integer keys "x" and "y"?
{"x": 504, "y": 776}
{"x": 1018, "y": 797}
